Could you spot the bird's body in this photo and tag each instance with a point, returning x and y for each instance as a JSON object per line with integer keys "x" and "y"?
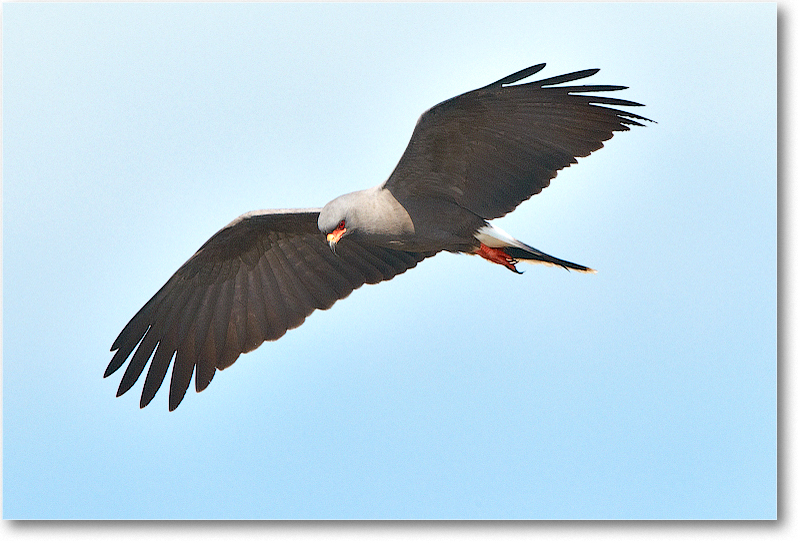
{"x": 472, "y": 158}
{"x": 412, "y": 224}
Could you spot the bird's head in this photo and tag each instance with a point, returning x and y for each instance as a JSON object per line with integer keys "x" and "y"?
{"x": 338, "y": 218}
{"x": 370, "y": 216}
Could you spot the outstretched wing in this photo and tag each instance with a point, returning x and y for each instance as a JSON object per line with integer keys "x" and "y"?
{"x": 258, "y": 277}
{"x": 490, "y": 149}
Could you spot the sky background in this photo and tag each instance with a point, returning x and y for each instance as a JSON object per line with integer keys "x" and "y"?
{"x": 132, "y": 133}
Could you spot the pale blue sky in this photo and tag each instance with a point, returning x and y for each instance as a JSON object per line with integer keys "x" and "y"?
{"x": 131, "y": 133}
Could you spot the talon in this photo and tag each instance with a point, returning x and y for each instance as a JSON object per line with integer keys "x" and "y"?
{"x": 498, "y": 256}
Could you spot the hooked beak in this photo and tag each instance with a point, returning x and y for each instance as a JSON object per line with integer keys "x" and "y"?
{"x": 334, "y": 237}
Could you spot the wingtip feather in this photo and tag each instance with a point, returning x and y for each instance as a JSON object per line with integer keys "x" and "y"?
{"x": 517, "y": 76}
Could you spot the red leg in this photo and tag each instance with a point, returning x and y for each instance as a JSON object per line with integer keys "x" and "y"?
{"x": 498, "y": 256}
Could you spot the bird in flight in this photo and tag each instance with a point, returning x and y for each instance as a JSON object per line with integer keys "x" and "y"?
{"x": 471, "y": 158}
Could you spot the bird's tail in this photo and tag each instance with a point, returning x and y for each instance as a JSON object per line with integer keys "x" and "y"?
{"x": 499, "y": 247}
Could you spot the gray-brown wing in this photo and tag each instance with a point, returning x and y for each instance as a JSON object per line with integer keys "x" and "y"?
{"x": 258, "y": 277}
{"x": 490, "y": 149}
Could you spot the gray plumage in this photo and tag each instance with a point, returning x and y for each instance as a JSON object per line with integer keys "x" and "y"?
{"x": 472, "y": 158}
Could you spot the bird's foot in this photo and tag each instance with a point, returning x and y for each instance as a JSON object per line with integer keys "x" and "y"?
{"x": 498, "y": 256}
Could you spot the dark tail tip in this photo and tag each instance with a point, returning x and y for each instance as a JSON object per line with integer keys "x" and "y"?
{"x": 535, "y": 255}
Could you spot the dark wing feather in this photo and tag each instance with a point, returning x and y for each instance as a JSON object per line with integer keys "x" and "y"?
{"x": 490, "y": 149}
{"x": 258, "y": 277}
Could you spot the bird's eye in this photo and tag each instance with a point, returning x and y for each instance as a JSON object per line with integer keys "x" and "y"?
{"x": 341, "y": 225}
